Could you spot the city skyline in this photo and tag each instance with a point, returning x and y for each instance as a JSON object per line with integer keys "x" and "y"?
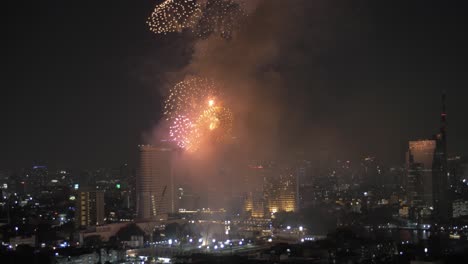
{"x": 94, "y": 86}
{"x": 234, "y": 131}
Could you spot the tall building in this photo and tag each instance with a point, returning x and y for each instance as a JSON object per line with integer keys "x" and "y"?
{"x": 440, "y": 171}
{"x": 281, "y": 191}
{"x": 455, "y": 171}
{"x": 89, "y": 208}
{"x": 420, "y": 157}
{"x": 371, "y": 172}
{"x": 254, "y": 191}
{"x": 427, "y": 172}
{"x": 271, "y": 188}
{"x": 155, "y": 182}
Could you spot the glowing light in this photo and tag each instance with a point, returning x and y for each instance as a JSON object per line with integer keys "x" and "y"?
{"x": 216, "y": 118}
{"x": 211, "y": 17}
{"x": 194, "y": 109}
{"x": 174, "y": 16}
{"x": 181, "y": 130}
{"x": 187, "y": 97}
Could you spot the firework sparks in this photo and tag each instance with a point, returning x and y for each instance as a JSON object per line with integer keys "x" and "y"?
{"x": 189, "y": 97}
{"x": 181, "y": 130}
{"x": 216, "y": 123}
{"x": 196, "y": 115}
{"x": 174, "y": 16}
{"x": 218, "y": 17}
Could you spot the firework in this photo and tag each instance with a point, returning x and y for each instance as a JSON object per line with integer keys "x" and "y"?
{"x": 220, "y": 17}
{"x": 197, "y": 114}
{"x": 190, "y": 97}
{"x": 215, "y": 123}
{"x": 181, "y": 130}
{"x": 174, "y": 16}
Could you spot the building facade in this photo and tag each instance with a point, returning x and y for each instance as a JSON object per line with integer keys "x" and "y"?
{"x": 155, "y": 182}
{"x": 89, "y": 208}
{"x": 420, "y": 157}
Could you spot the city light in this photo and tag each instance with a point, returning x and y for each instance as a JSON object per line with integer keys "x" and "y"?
{"x": 234, "y": 131}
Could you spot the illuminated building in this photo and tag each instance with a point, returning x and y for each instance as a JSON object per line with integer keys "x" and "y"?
{"x": 420, "y": 157}
{"x": 427, "y": 172}
{"x": 254, "y": 186}
{"x": 89, "y": 208}
{"x": 281, "y": 191}
{"x": 155, "y": 182}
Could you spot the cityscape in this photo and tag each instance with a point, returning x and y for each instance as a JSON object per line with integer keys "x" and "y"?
{"x": 229, "y": 131}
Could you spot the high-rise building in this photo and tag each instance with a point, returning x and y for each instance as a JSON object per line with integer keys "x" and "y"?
{"x": 254, "y": 191}
{"x": 440, "y": 171}
{"x": 155, "y": 182}
{"x": 38, "y": 176}
{"x": 427, "y": 172}
{"x": 455, "y": 171}
{"x": 89, "y": 208}
{"x": 270, "y": 188}
{"x": 371, "y": 172}
{"x": 419, "y": 182}
{"x": 281, "y": 191}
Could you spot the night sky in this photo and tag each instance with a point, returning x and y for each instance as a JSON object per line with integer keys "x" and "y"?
{"x": 82, "y": 81}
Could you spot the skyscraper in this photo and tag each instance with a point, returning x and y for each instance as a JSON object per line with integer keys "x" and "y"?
{"x": 427, "y": 172}
{"x": 254, "y": 191}
{"x": 155, "y": 181}
{"x": 281, "y": 191}
{"x": 89, "y": 208}
{"x": 419, "y": 165}
{"x": 439, "y": 170}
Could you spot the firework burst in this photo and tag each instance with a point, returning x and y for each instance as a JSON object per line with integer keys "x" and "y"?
{"x": 216, "y": 123}
{"x": 174, "y": 16}
{"x": 190, "y": 97}
{"x": 181, "y": 130}
{"x": 196, "y": 114}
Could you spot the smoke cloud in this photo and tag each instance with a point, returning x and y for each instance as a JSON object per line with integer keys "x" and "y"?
{"x": 269, "y": 72}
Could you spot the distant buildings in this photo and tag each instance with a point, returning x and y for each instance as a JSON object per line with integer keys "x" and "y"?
{"x": 89, "y": 208}
{"x": 460, "y": 208}
{"x": 155, "y": 182}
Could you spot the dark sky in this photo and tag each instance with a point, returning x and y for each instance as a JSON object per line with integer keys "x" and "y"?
{"x": 81, "y": 79}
